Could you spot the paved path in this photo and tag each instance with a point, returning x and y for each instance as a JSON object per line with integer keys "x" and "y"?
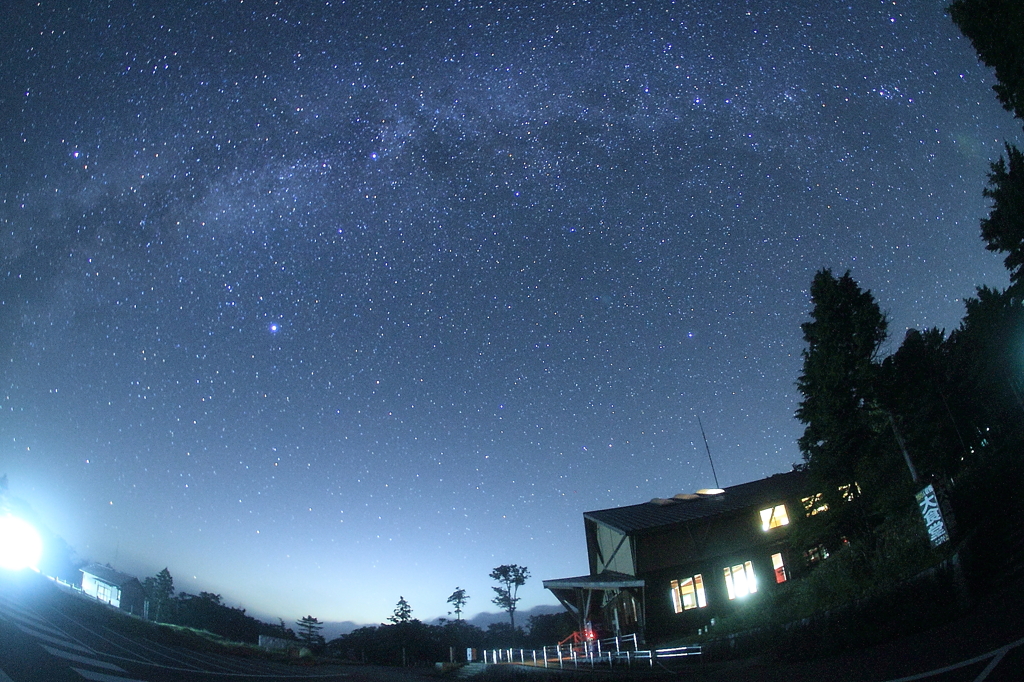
{"x": 42, "y": 640}
{"x": 39, "y": 642}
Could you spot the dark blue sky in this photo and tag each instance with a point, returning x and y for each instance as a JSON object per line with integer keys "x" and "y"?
{"x": 320, "y": 304}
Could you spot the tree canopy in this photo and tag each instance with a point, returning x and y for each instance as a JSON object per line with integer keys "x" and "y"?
{"x": 309, "y": 631}
{"x": 1003, "y": 229}
{"x": 996, "y": 30}
{"x": 837, "y": 383}
{"x": 511, "y": 577}
{"x": 159, "y": 590}
{"x": 402, "y": 613}
{"x": 458, "y": 600}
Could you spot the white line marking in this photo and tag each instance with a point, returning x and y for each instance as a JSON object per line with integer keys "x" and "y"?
{"x": 54, "y": 640}
{"x": 962, "y": 664}
{"x": 102, "y": 677}
{"x": 21, "y": 614}
{"x": 992, "y": 665}
{"x": 96, "y": 663}
{"x": 18, "y": 608}
{"x": 37, "y": 624}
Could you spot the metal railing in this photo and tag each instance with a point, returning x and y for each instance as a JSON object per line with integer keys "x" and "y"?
{"x": 610, "y": 651}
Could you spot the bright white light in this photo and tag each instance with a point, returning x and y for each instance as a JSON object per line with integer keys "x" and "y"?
{"x": 20, "y": 544}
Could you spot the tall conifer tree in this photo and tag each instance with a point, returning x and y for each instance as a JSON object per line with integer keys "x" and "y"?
{"x": 838, "y": 381}
{"x": 996, "y": 30}
{"x": 1003, "y": 229}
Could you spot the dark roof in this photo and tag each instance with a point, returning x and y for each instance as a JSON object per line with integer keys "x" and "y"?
{"x": 653, "y": 515}
{"x": 603, "y": 581}
{"x": 108, "y": 574}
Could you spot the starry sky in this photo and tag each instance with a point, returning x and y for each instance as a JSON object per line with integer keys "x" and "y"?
{"x": 323, "y": 303}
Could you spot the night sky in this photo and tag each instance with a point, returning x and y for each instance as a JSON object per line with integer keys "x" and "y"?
{"x": 321, "y": 304}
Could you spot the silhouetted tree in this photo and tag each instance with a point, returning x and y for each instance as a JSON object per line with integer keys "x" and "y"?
{"x": 988, "y": 358}
{"x": 159, "y": 590}
{"x": 838, "y": 385}
{"x": 987, "y": 350}
{"x": 309, "y": 631}
{"x": 412, "y": 643}
{"x": 550, "y": 628}
{"x": 460, "y": 635}
{"x": 499, "y": 635}
{"x": 843, "y": 338}
{"x": 996, "y": 30}
{"x": 206, "y": 611}
{"x": 918, "y": 389}
{"x": 511, "y": 577}
{"x": 1003, "y": 229}
{"x": 402, "y": 614}
{"x": 458, "y": 600}
{"x": 278, "y": 629}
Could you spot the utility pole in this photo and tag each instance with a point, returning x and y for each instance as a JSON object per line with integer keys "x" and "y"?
{"x": 903, "y": 447}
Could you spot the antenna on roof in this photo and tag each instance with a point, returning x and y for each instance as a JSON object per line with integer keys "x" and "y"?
{"x": 709, "y": 452}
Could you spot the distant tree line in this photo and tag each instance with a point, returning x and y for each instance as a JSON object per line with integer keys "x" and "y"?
{"x": 205, "y": 611}
{"x": 408, "y": 641}
{"x": 415, "y": 643}
{"x": 404, "y": 641}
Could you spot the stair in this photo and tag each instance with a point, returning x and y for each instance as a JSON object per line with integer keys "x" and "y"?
{"x": 471, "y": 670}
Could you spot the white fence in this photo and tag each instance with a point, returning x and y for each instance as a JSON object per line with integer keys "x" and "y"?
{"x": 611, "y": 651}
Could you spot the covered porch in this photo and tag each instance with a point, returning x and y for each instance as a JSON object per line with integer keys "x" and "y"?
{"x": 614, "y": 602}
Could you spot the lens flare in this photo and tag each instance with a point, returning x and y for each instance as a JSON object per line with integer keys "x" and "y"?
{"x": 20, "y": 545}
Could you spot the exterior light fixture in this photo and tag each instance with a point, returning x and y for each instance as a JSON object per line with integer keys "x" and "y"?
{"x": 20, "y": 544}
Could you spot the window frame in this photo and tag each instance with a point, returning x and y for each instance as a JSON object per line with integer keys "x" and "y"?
{"x": 775, "y": 516}
{"x": 779, "y": 568}
{"x": 740, "y": 576}
{"x": 694, "y": 589}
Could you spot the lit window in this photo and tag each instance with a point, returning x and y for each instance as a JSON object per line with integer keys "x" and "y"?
{"x": 774, "y": 517}
{"x": 739, "y": 580}
{"x": 780, "y": 568}
{"x": 103, "y": 592}
{"x": 849, "y": 492}
{"x": 815, "y": 504}
{"x": 688, "y": 594}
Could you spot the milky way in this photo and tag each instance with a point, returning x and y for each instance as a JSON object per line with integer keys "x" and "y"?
{"x": 320, "y": 304}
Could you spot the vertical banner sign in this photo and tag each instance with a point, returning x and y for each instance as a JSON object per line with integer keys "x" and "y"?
{"x": 932, "y": 512}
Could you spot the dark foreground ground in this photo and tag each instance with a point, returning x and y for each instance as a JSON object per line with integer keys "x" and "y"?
{"x": 45, "y": 638}
{"x": 984, "y": 645}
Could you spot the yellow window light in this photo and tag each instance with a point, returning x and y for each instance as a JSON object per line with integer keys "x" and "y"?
{"x": 774, "y": 517}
